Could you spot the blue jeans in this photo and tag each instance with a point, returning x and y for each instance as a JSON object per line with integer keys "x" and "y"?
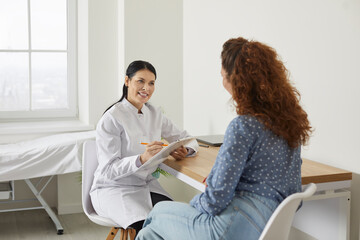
{"x": 244, "y": 218}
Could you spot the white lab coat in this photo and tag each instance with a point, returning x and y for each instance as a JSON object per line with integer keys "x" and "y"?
{"x": 121, "y": 191}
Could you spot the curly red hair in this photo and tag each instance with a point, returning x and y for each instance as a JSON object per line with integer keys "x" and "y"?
{"x": 261, "y": 88}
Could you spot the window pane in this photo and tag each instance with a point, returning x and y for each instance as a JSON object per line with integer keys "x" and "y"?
{"x": 48, "y": 24}
{"x": 49, "y": 81}
{"x": 14, "y": 81}
{"x": 13, "y": 24}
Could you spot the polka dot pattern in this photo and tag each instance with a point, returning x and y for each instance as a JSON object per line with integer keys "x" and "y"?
{"x": 251, "y": 159}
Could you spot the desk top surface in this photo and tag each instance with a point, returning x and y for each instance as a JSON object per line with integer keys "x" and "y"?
{"x": 200, "y": 166}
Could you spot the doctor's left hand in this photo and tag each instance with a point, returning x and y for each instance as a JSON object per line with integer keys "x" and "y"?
{"x": 179, "y": 153}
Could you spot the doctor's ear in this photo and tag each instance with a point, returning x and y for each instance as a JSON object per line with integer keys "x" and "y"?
{"x": 127, "y": 79}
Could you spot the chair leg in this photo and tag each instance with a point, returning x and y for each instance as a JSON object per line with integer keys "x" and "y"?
{"x": 132, "y": 233}
{"x": 124, "y": 234}
{"x": 112, "y": 233}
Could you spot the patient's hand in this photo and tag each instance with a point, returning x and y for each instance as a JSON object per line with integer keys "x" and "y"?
{"x": 179, "y": 153}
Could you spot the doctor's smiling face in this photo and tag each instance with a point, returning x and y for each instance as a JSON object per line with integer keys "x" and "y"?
{"x": 140, "y": 87}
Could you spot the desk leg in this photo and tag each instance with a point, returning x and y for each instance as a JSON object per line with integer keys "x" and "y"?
{"x": 345, "y": 209}
{"x": 47, "y": 208}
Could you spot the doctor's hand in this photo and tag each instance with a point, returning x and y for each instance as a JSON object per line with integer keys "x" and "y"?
{"x": 150, "y": 150}
{"x": 179, "y": 153}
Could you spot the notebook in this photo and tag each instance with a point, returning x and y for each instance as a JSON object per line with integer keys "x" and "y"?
{"x": 212, "y": 140}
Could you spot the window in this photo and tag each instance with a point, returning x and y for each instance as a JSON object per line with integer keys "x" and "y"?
{"x": 37, "y": 59}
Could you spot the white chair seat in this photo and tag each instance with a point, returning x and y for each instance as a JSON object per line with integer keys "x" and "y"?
{"x": 101, "y": 220}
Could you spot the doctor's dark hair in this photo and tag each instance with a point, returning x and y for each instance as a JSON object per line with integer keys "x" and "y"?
{"x": 132, "y": 69}
{"x": 261, "y": 88}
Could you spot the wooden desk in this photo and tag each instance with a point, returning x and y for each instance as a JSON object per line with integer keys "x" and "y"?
{"x": 315, "y": 172}
{"x": 197, "y": 168}
{"x": 331, "y": 182}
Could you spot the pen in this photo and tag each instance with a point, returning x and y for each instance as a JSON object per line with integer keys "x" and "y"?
{"x": 143, "y": 143}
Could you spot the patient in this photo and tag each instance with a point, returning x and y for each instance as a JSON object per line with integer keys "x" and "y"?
{"x": 259, "y": 163}
{"x": 122, "y": 190}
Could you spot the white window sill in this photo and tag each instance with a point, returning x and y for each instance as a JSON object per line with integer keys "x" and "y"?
{"x": 44, "y": 127}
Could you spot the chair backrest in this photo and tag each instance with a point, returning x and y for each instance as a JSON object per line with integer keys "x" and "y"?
{"x": 279, "y": 224}
{"x": 89, "y": 165}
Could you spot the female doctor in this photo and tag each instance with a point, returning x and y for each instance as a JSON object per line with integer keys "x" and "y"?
{"x": 122, "y": 190}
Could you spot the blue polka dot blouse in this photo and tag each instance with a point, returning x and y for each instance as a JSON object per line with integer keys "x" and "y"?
{"x": 251, "y": 159}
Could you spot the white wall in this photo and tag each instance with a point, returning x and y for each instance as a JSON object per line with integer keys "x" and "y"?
{"x": 153, "y": 32}
{"x": 103, "y": 56}
{"x": 319, "y": 43}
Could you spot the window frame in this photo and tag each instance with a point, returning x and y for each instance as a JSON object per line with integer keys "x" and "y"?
{"x": 51, "y": 114}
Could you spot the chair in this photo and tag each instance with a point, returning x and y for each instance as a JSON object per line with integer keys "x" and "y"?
{"x": 89, "y": 166}
{"x": 279, "y": 224}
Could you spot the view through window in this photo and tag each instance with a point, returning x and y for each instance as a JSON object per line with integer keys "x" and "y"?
{"x": 37, "y": 73}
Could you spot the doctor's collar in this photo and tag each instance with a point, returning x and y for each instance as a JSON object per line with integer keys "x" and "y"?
{"x": 133, "y": 108}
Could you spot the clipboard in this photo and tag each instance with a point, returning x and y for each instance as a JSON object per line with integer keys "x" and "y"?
{"x": 165, "y": 152}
